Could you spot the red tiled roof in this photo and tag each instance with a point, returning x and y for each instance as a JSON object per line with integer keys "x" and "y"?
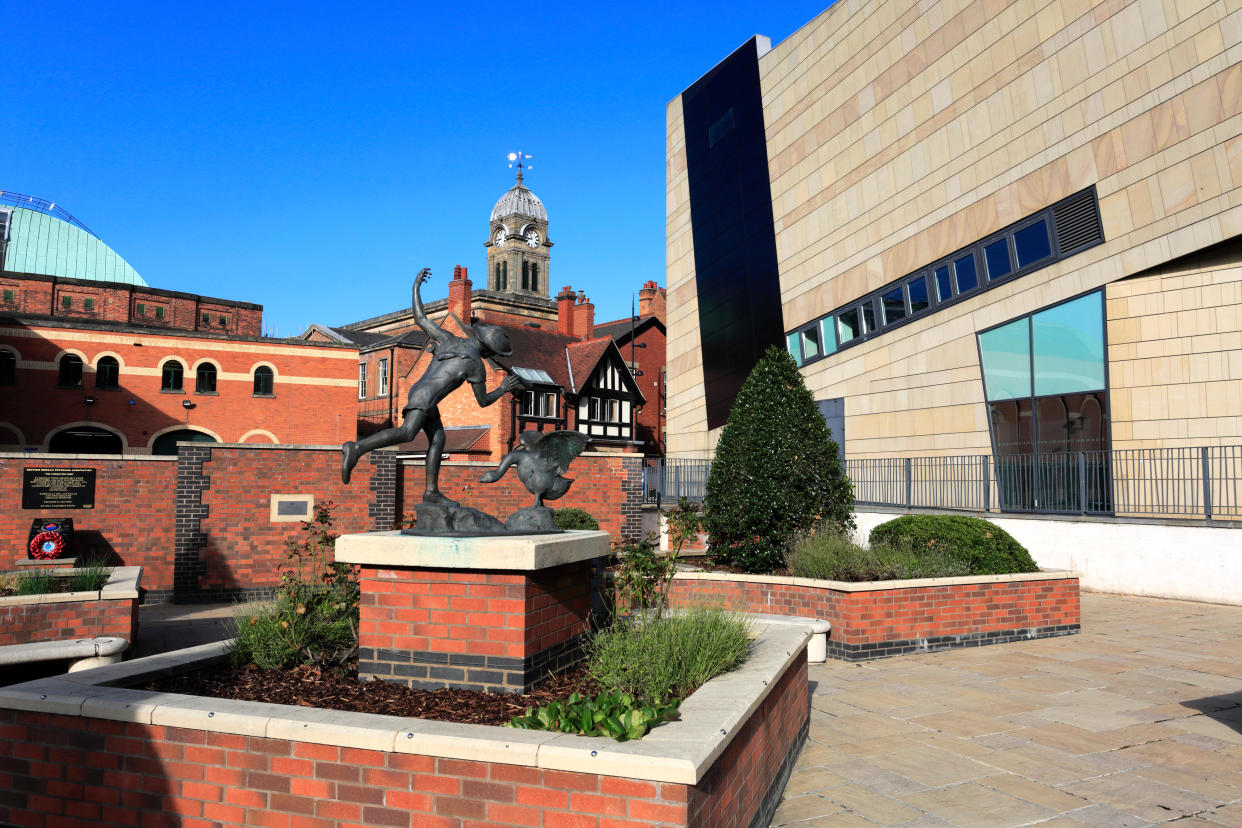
{"x": 539, "y": 348}
{"x": 620, "y": 329}
{"x": 584, "y": 356}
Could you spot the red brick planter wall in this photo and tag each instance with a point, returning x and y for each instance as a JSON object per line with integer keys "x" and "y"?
{"x": 73, "y": 772}
{"x": 471, "y": 628}
{"x": 873, "y": 623}
{"x": 27, "y": 623}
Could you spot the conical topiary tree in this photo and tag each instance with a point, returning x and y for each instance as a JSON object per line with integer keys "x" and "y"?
{"x": 776, "y": 472}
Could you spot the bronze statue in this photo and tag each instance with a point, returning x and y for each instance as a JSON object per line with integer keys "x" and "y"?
{"x": 457, "y": 360}
{"x": 541, "y": 459}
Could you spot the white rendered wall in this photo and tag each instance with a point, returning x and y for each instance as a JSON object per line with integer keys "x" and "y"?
{"x": 1194, "y": 562}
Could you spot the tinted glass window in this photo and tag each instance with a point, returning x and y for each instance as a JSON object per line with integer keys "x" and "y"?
{"x": 205, "y": 379}
{"x": 996, "y": 255}
{"x": 107, "y": 373}
{"x": 795, "y": 349}
{"x": 1006, "y": 353}
{"x": 868, "y": 315}
{"x": 827, "y": 337}
{"x": 1031, "y": 243}
{"x": 810, "y": 342}
{"x": 848, "y": 326}
{"x": 944, "y": 287}
{"x": 967, "y": 277}
{"x": 894, "y": 304}
{"x": 70, "y": 370}
{"x": 918, "y": 294}
{"x": 1069, "y": 346}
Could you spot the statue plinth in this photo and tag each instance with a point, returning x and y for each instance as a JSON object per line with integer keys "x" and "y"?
{"x": 484, "y": 613}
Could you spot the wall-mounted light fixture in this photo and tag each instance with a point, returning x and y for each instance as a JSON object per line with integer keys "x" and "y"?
{"x": 90, "y": 400}
{"x": 187, "y": 405}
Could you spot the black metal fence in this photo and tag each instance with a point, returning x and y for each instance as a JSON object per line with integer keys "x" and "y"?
{"x": 1201, "y": 481}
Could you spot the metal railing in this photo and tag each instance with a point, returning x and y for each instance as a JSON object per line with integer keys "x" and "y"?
{"x": 1201, "y": 481}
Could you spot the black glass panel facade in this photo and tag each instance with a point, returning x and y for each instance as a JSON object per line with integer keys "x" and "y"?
{"x": 731, "y": 213}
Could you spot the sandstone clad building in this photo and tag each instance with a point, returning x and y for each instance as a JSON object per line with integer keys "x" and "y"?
{"x": 982, "y": 228}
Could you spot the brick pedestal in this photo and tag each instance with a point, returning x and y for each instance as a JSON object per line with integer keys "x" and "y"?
{"x": 492, "y": 614}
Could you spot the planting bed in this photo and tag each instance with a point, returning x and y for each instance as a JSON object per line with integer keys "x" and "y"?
{"x": 885, "y": 618}
{"x": 85, "y": 751}
{"x": 111, "y": 611}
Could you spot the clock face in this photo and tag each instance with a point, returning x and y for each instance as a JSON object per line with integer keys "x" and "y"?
{"x": 532, "y": 238}
{"x": 501, "y": 235}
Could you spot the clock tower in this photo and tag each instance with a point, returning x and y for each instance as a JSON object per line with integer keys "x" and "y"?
{"x": 518, "y": 249}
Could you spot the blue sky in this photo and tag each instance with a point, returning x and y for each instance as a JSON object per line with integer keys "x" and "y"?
{"x": 312, "y": 157}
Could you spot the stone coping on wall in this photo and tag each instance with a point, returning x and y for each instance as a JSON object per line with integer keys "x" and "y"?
{"x": 122, "y": 583}
{"x": 676, "y": 752}
{"x": 44, "y": 455}
{"x": 871, "y": 586}
{"x": 498, "y": 552}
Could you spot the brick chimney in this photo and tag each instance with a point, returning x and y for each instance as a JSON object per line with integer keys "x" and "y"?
{"x": 584, "y": 317}
{"x": 565, "y": 310}
{"x": 652, "y": 301}
{"x": 459, "y": 294}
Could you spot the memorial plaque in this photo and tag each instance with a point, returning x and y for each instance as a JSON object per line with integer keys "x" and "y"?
{"x": 58, "y": 488}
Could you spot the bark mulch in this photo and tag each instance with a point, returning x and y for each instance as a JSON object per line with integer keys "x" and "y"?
{"x": 311, "y": 687}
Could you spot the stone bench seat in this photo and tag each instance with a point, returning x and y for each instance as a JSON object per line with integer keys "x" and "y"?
{"x": 83, "y": 652}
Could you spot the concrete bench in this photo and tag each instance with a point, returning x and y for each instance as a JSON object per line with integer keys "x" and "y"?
{"x": 84, "y": 653}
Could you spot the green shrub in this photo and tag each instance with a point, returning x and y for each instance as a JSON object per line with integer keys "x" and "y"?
{"x": 89, "y": 578}
{"x": 608, "y": 714}
{"x": 642, "y": 575}
{"x": 313, "y": 618}
{"x": 776, "y": 472}
{"x": 986, "y": 548}
{"x": 659, "y": 658}
{"x": 35, "y": 582}
{"x": 831, "y": 557}
{"x": 574, "y": 519}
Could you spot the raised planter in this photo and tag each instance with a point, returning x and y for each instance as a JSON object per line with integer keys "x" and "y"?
{"x": 90, "y": 752}
{"x": 111, "y": 611}
{"x": 876, "y": 619}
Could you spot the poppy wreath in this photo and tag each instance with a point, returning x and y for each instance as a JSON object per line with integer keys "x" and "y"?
{"x": 46, "y": 546}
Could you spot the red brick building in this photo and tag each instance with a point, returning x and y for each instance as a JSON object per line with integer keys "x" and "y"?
{"x": 97, "y": 367}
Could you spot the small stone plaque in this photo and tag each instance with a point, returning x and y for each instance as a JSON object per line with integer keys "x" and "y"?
{"x": 44, "y": 488}
{"x": 288, "y": 508}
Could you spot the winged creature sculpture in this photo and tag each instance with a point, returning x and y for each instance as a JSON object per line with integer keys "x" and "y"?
{"x": 541, "y": 459}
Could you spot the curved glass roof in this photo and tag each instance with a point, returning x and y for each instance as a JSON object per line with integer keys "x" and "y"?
{"x": 43, "y": 238}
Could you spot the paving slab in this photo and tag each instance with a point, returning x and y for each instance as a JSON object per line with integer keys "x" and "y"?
{"x": 1136, "y": 721}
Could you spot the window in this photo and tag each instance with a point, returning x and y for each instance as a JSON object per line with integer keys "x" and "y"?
{"x": 593, "y": 410}
{"x": 205, "y": 379}
{"x": 967, "y": 276}
{"x": 504, "y": 275}
{"x": 107, "y": 373}
{"x": 539, "y": 404}
{"x": 944, "y": 285}
{"x": 810, "y": 342}
{"x": 1031, "y": 243}
{"x": 263, "y": 381}
{"x": 88, "y": 304}
{"x": 8, "y": 368}
{"x": 140, "y": 309}
{"x": 996, "y": 256}
{"x": 534, "y": 276}
{"x": 917, "y": 290}
{"x": 848, "y": 326}
{"x": 9, "y": 297}
{"x": 894, "y": 304}
{"x": 499, "y": 286}
{"x": 66, "y": 302}
{"x": 171, "y": 375}
{"x": 362, "y": 380}
{"x": 223, "y": 321}
{"x": 868, "y": 316}
{"x": 525, "y": 275}
{"x": 206, "y": 318}
{"x": 69, "y": 372}
{"x": 159, "y": 311}
{"x": 383, "y": 377}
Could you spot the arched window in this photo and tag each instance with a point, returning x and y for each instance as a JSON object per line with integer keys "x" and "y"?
{"x": 107, "y": 373}
{"x": 170, "y": 376}
{"x": 8, "y": 368}
{"x": 504, "y": 275}
{"x": 525, "y": 275}
{"x": 534, "y": 276}
{"x": 166, "y": 443}
{"x": 85, "y": 440}
{"x": 205, "y": 379}
{"x": 70, "y": 373}
{"x": 497, "y": 280}
{"x": 263, "y": 377}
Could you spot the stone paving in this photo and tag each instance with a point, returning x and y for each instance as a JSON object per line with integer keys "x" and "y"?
{"x": 1135, "y": 721}
{"x": 164, "y": 627}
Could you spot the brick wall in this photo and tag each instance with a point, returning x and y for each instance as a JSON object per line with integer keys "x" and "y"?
{"x": 73, "y": 772}
{"x": 877, "y": 623}
{"x": 609, "y": 487}
{"x": 226, "y": 545}
{"x": 133, "y": 515}
{"x": 26, "y": 623}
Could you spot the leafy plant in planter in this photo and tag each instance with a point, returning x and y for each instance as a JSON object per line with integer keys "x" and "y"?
{"x": 642, "y": 575}
{"x": 776, "y": 472}
{"x": 609, "y": 714}
{"x": 313, "y": 618}
{"x": 984, "y": 546}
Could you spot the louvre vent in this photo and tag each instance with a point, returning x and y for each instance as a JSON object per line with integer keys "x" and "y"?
{"x": 1077, "y": 222}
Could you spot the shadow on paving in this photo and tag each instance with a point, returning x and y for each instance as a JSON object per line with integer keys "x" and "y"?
{"x": 1226, "y": 709}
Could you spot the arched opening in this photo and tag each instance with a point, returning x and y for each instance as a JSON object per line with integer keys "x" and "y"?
{"x": 107, "y": 373}
{"x": 8, "y": 368}
{"x": 205, "y": 379}
{"x": 166, "y": 443}
{"x": 534, "y": 276}
{"x": 85, "y": 440}
{"x": 69, "y": 372}
{"x": 263, "y": 381}
{"x": 171, "y": 373}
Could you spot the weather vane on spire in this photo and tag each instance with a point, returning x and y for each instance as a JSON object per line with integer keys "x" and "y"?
{"x": 518, "y": 158}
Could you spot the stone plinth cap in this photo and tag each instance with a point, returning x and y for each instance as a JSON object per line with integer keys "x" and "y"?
{"x": 509, "y": 552}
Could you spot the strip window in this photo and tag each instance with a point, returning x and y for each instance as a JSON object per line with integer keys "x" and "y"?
{"x": 1054, "y": 233}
